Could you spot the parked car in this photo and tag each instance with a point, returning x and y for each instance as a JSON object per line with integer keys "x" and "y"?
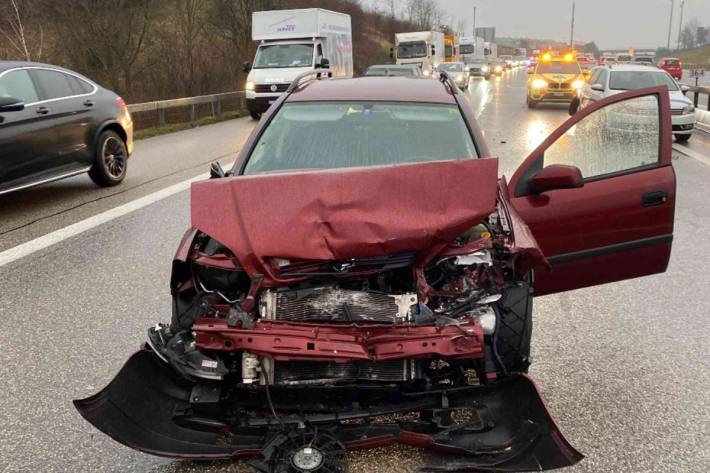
{"x": 394, "y": 70}
{"x": 605, "y": 82}
{"x": 673, "y": 66}
{"x": 457, "y": 71}
{"x": 362, "y": 258}
{"x": 55, "y": 123}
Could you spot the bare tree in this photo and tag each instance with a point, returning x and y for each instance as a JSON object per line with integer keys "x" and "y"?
{"x": 15, "y": 31}
{"x": 687, "y": 35}
{"x": 425, "y": 14}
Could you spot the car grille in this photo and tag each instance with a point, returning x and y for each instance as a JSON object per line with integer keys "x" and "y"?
{"x": 677, "y": 111}
{"x": 329, "y": 304}
{"x": 558, "y": 86}
{"x": 311, "y": 372}
{"x": 266, "y": 88}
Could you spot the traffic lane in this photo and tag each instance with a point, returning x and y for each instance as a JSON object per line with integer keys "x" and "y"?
{"x": 156, "y": 163}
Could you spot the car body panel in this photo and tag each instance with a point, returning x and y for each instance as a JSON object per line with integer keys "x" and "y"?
{"x": 560, "y": 85}
{"x": 601, "y": 232}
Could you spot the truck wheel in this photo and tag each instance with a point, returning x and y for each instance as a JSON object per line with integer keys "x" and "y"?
{"x": 110, "y": 160}
{"x": 682, "y": 138}
{"x": 514, "y": 328}
{"x": 255, "y": 115}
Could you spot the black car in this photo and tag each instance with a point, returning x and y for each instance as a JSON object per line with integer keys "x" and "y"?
{"x": 55, "y": 123}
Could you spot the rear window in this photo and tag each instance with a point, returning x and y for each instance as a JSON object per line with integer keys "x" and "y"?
{"x": 558, "y": 67}
{"x": 632, "y": 80}
{"x": 671, "y": 63}
{"x": 394, "y": 72}
{"x": 332, "y": 135}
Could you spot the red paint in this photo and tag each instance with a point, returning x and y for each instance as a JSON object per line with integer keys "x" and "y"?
{"x": 344, "y": 213}
{"x": 328, "y": 342}
{"x": 556, "y": 176}
{"x": 675, "y": 70}
{"x": 391, "y": 89}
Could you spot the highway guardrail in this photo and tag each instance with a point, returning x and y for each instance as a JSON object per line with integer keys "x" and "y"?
{"x": 214, "y": 102}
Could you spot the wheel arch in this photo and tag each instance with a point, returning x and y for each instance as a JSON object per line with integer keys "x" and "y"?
{"x": 109, "y": 125}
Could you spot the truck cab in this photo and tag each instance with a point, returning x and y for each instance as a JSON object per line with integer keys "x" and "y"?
{"x": 424, "y": 49}
{"x": 451, "y": 48}
{"x": 294, "y": 42}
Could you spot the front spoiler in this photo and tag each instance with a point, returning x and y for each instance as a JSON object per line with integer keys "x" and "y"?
{"x": 504, "y": 426}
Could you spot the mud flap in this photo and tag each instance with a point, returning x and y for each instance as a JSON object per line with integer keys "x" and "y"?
{"x": 503, "y": 426}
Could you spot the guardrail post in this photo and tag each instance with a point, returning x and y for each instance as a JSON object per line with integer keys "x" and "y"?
{"x": 161, "y": 117}
{"x": 695, "y": 98}
{"x": 218, "y": 107}
{"x": 192, "y": 112}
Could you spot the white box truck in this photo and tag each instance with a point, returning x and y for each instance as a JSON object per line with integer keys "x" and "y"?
{"x": 471, "y": 48}
{"x": 294, "y": 42}
{"x": 423, "y": 48}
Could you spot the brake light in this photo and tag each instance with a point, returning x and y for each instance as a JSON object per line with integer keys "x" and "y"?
{"x": 122, "y": 104}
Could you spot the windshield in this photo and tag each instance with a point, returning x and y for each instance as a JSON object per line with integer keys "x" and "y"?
{"x": 393, "y": 72}
{"x": 448, "y": 50}
{"x": 631, "y": 80}
{"x": 558, "y": 67}
{"x": 412, "y": 49}
{"x": 284, "y": 55}
{"x": 320, "y": 135}
{"x": 450, "y": 67}
{"x": 623, "y": 58}
{"x": 671, "y": 62}
{"x": 466, "y": 49}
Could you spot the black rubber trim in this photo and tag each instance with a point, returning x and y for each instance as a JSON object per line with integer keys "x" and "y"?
{"x": 602, "y": 250}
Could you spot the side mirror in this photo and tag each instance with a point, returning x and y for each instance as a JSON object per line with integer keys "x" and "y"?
{"x": 246, "y": 66}
{"x": 324, "y": 63}
{"x": 684, "y": 88}
{"x": 216, "y": 171}
{"x": 433, "y": 50}
{"x": 556, "y": 176}
{"x": 597, "y": 87}
{"x": 391, "y": 53}
{"x": 574, "y": 106}
{"x": 11, "y": 104}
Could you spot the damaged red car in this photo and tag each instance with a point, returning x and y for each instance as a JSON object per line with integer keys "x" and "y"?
{"x": 363, "y": 277}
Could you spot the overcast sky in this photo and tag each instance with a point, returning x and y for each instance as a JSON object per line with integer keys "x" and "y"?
{"x": 610, "y": 23}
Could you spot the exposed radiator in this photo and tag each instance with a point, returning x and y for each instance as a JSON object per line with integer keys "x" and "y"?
{"x": 299, "y": 372}
{"x": 336, "y": 305}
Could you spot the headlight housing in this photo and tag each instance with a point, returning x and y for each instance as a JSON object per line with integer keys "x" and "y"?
{"x": 688, "y": 109}
{"x": 499, "y": 68}
{"x": 250, "y": 86}
{"x": 539, "y": 84}
{"x": 578, "y": 84}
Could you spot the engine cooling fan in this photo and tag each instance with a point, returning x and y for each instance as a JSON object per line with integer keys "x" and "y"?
{"x": 302, "y": 451}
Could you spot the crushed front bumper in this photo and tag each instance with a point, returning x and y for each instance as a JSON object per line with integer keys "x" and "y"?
{"x": 500, "y": 426}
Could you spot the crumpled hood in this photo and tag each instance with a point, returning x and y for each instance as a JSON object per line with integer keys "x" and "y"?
{"x": 345, "y": 213}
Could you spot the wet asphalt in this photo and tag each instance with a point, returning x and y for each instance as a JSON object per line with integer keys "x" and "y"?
{"x": 625, "y": 368}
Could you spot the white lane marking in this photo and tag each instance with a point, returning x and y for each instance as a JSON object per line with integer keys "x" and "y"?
{"x": 691, "y": 153}
{"x": 45, "y": 241}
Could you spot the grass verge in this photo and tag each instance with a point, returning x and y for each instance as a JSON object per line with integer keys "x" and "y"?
{"x": 173, "y": 127}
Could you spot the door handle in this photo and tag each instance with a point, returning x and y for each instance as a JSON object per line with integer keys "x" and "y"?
{"x": 650, "y": 199}
{"x": 42, "y": 111}
{"x": 89, "y": 103}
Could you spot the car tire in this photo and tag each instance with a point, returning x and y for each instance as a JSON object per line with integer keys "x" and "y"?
{"x": 255, "y": 115}
{"x": 682, "y": 138}
{"x": 514, "y": 327}
{"x": 110, "y": 160}
{"x": 531, "y": 103}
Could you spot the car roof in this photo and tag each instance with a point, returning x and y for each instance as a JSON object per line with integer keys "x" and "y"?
{"x": 392, "y": 66}
{"x": 379, "y": 89}
{"x": 633, "y": 67}
{"x": 6, "y": 65}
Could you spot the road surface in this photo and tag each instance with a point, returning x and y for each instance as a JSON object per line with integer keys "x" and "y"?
{"x": 625, "y": 368}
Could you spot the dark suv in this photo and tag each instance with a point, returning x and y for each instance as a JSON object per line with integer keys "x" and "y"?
{"x": 55, "y": 123}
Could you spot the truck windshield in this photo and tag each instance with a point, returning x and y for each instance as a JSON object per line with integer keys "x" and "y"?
{"x": 631, "y": 80}
{"x": 284, "y": 55}
{"x": 466, "y": 49}
{"x": 330, "y": 135}
{"x": 411, "y": 50}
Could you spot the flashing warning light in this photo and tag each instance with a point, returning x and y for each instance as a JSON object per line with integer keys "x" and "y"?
{"x": 547, "y": 57}
{"x": 569, "y": 57}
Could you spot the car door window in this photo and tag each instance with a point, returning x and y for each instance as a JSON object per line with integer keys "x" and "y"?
{"x": 620, "y": 137}
{"x": 18, "y": 84}
{"x": 79, "y": 86}
{"x": 594, "y": 77}
{"x": 53, "y": 84}
{"x": 603, "y": 78}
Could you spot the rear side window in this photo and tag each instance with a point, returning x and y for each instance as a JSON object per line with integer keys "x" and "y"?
{"x": 18, "y": 84}
{"x": 53, "y": 84}
{"x": 79, "y": 86}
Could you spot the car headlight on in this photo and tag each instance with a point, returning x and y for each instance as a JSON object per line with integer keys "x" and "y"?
{"x": 688, "y": 109}
{"x": 426, "y": 72}
{"x": 578, "y": 84}
{"x": 459, "y": 78}
{"x": 499, "y": 69}
{"x": 250, "y": 86}
{"x": 485, "y": 68}
{"x": 539, "y": 84}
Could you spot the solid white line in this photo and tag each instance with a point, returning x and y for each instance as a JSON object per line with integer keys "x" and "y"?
{"x": 691, "y": 153}
{"x": 45, "y": 241}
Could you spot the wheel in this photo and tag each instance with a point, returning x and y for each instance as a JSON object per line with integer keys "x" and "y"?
{"x": 255, "y": 115}
{"x": 531, "y": 103}
{"x": 682, "y": 138}
{"x": 488, "y": 77}
{"x": 110, "y": 160}
{"x": 514, "y": 328}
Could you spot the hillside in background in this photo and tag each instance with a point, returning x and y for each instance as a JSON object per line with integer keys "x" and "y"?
{"x": 159, "y": 49}
{"x": 699, "y": 56}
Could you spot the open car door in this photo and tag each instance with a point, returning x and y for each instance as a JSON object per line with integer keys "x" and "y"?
{"x": 599, "y": 192}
